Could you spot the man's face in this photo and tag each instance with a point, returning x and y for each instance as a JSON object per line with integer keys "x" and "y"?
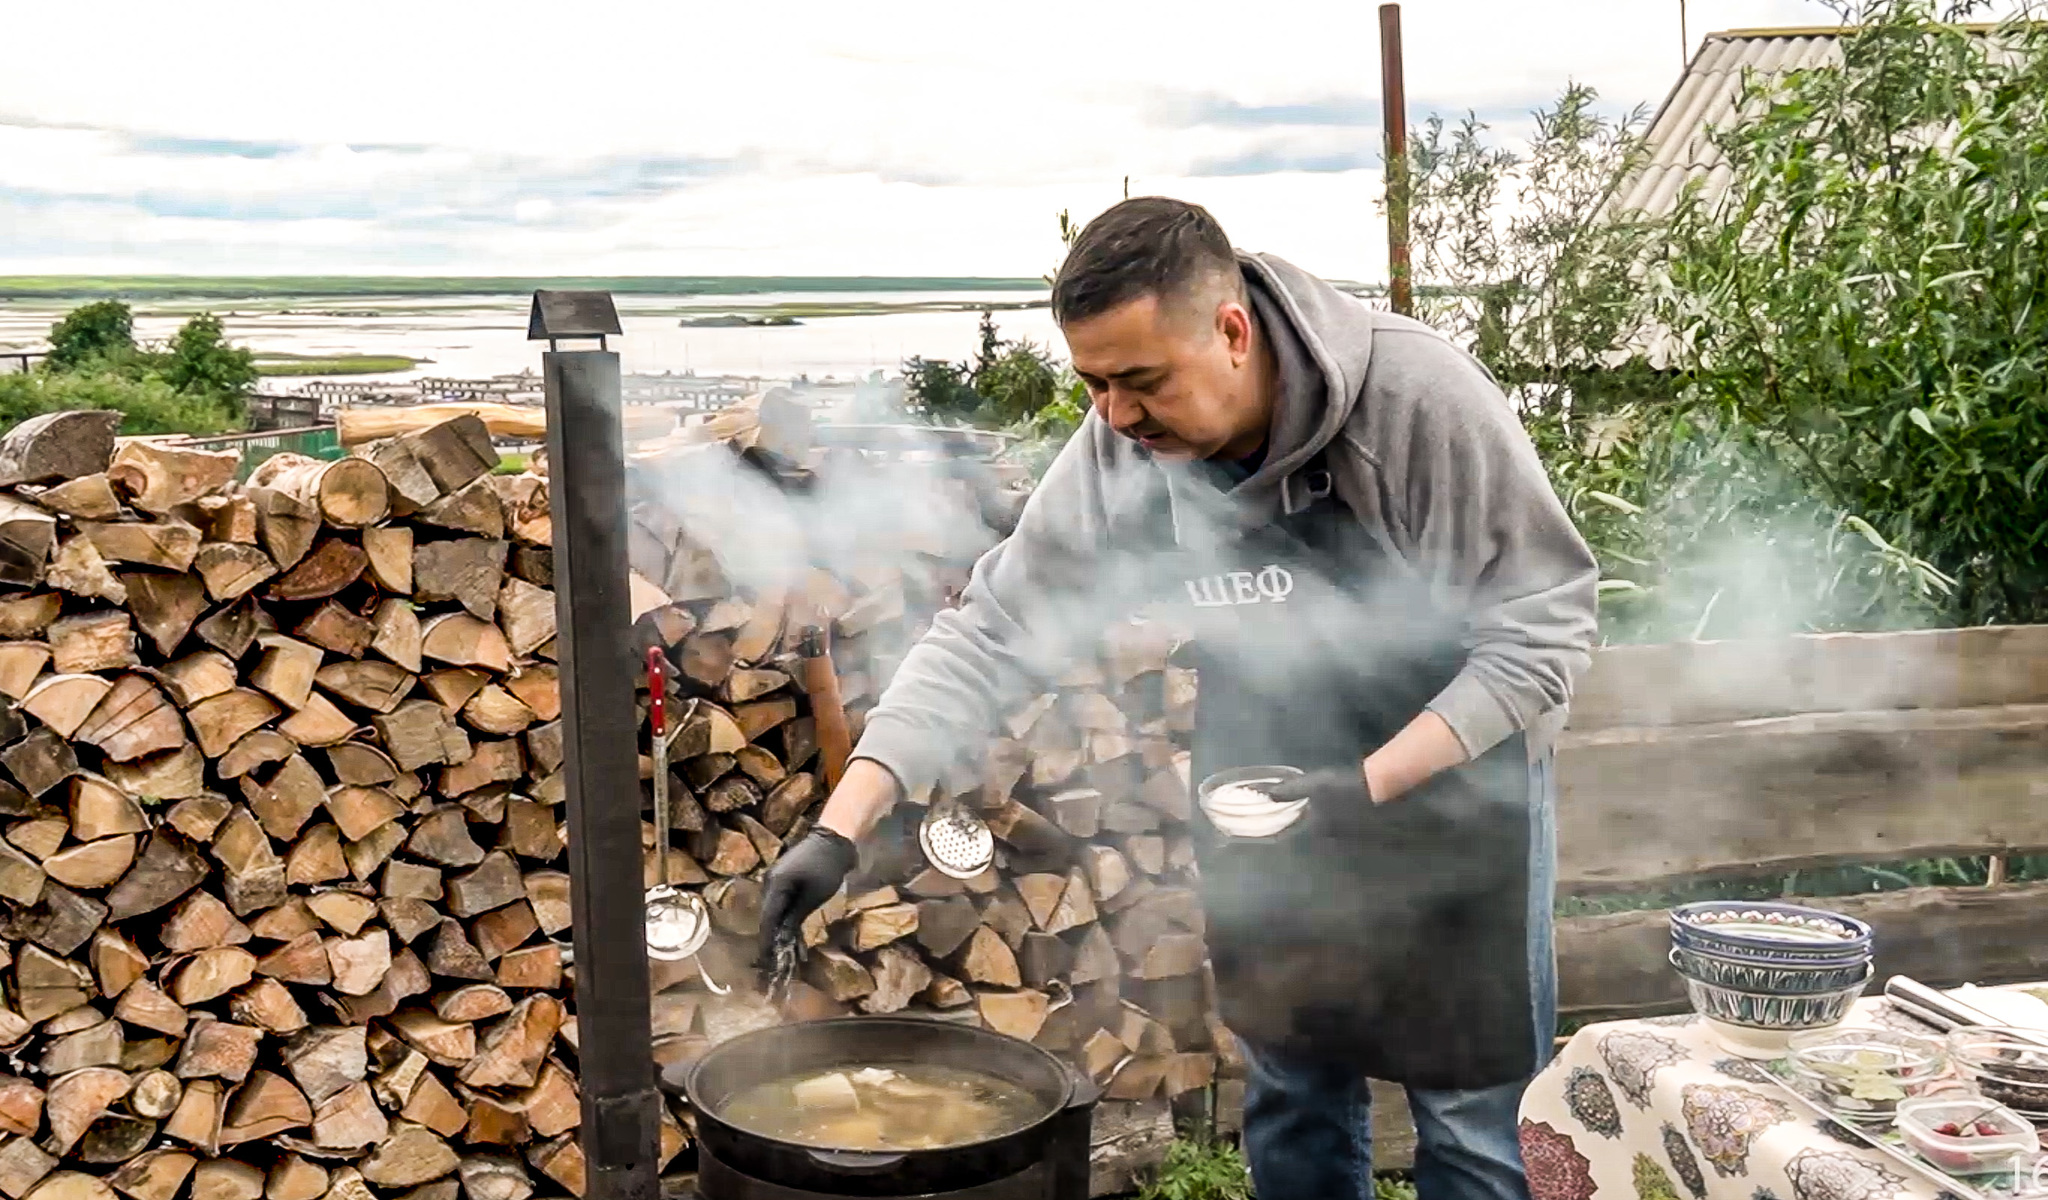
{"x": 1175, "y": 379}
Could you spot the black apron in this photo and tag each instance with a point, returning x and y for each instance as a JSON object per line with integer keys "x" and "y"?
{"x": 1391, "y": 939}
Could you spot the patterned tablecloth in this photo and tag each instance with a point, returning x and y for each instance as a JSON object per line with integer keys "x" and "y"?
{"x": 1657, "y": 1110}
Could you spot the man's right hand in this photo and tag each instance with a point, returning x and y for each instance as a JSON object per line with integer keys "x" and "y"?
{"x": 806, "y": 876}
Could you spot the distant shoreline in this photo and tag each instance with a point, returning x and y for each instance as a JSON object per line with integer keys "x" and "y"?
{"x": 264, "y": 287}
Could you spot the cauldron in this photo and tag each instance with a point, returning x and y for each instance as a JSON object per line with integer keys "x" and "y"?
{"x": 1048, "y": 1158}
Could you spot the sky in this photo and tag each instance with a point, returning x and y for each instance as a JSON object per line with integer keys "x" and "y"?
{"x": 653, "y": 137}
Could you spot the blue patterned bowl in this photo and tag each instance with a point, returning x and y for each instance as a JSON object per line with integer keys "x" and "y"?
{"x": 1759, "y": 1010}
{"x": 1763, "y": 932}
{"x": 1778, "y": 980}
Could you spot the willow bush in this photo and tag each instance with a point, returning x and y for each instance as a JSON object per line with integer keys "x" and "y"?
{"x": 1811, "y": 400}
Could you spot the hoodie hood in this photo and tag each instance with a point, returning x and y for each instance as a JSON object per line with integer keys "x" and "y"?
{"x": 1321, "y": 341}
{"x": 1322, "y": 329}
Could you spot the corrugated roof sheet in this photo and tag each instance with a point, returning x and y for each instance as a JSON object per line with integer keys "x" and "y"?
{"x": 1708, "y": 96}
{"x": 1680, "y": 142}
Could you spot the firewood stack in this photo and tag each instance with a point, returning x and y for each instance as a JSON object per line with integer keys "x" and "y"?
{"x": 281, "y": 828}
{"x": 281, "y": 859}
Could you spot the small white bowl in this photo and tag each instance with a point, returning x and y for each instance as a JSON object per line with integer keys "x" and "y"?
{"x": 1264, "y": 824}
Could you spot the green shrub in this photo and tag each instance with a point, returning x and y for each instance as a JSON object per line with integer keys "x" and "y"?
{"x": 147, "y": 404}
{"x": 1200, "y": 1168}
{"x": 1847, "y": 432}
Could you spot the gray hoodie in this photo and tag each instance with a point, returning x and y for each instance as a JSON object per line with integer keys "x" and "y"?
{"x": 1421, "y": 446}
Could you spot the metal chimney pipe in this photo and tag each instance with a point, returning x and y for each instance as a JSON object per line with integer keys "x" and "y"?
{"x": 1394, "y": 111}
{"x": 587, "y": 499}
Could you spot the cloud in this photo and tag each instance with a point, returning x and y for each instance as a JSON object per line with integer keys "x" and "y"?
{"x": 1197, "y": 109}
{"x": 1272, "y": 158}
{"x": 201, "y": 147}
{"x": 799, "y": 138}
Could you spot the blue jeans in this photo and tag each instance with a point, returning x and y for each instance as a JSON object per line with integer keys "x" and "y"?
{"x": 1308, "y": 1125}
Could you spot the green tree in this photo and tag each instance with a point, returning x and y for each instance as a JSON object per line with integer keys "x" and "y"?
{"x": 90, "y": 333}
{"x": 201, "y": 360}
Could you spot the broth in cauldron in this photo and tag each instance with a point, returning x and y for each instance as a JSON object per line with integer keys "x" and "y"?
{"x": 908, "y": 1106}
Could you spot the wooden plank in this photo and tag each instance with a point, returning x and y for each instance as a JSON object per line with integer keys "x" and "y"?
{"x": 1703, "y": 682}
{"x": 1615, "y": 966}
{"x": 1643, "y": 804}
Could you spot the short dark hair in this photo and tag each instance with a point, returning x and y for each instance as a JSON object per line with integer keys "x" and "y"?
{"x": 1148, "y": 246}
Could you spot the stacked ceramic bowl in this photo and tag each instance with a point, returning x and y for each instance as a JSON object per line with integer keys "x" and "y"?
{"x": 1769, "y": 968}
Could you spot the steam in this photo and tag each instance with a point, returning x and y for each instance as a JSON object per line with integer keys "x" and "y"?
{"x": 1111, "y": 562}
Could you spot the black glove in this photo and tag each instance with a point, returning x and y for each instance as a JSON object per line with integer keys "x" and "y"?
{"x": 806, "y": 876}
{"x": 1340, "y": 793}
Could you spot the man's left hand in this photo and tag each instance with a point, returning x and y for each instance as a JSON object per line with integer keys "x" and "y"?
{"x": 1334, "y": 790}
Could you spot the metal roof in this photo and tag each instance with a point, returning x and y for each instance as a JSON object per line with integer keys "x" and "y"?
{"x": 1680, "y": 144}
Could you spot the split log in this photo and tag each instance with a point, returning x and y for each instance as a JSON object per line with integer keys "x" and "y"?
{"x": 332, "y": 566}
{"x": 337, "y": 630}
{"x": 77, "y": 568}
{"x": 989, "y": 960}
{"x": 285, "y": 527}
{"x": 197, "y": 1120}
{"x": 318, "y": 723}
{"x": 159, "y": 477}
{"x": 473, "y": 509}
{"x": 63, "y": 702}
{"x": 349, "y": 1120}
{"x": 218, "y": 722}
{"x": 58, "y": 446}
{"x": 397, "y": 634}
{"x": 463, "y": 640}
{"x": 266, "y": 1105}
{"x": 153, "y": 1175}
{"x": 347, "y": 492}
{"x": 420, "y": 733}
{"x": 255, "y": 749}
{"x": 165, "y": 606}
{"x": 78, "y": 1099}
{"x": 230, "y": 518}
{"x": 468, "y": 571}
{"x": 166, "y": 545}
{"x": 96, "y": 641}
{"x": 226, "y": 1179}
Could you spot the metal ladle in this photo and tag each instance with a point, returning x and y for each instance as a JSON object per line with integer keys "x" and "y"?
{"x": 678, "y": 921}
{"x": 956, "y": 842}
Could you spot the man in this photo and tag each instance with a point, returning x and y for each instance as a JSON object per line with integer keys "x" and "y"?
{"x": 1383, "y": 591}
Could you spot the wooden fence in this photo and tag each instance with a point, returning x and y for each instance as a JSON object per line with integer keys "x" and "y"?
{"x": 1757, "y": 758}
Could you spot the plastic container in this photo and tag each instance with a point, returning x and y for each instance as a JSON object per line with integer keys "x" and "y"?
{"x": 1921, "y": 1122}
{"x": 1864, "y": 1074}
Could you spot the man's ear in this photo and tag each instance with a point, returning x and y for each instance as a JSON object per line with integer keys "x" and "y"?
{"x": 1234, "y": 326}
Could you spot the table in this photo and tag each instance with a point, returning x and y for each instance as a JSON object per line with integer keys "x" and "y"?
{"x": 1656, "y": 1109}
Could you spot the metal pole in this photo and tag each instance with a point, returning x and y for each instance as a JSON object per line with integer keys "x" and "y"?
{"x": 1684, "y": 39}
{"x": 587, "y": 499}
{"x": 1394, "y": 107}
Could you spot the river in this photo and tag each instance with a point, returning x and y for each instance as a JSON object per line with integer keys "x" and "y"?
{"x": 471, "y": 337}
